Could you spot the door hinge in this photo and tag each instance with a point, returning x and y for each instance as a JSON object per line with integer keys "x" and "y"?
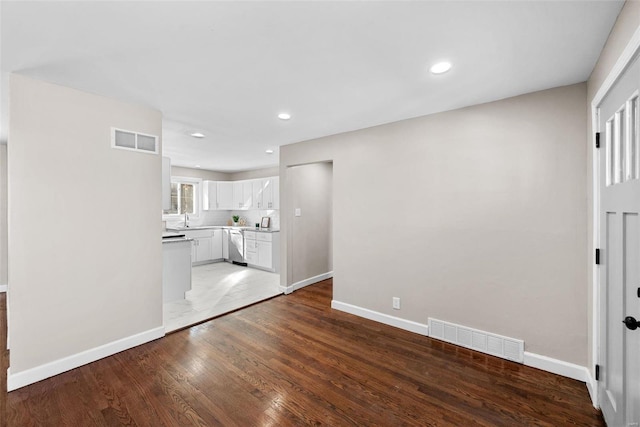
{"x": 597, "y": 256}
{"x": 597, "y": 372}
{"x": 597, "y": 139}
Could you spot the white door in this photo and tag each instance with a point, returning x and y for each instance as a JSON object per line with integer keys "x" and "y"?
{"x": 216, "y": 244}
{"x": 265, "y": 254}
{"x": 247, "y": 191}
{"x": 204, "y": 249}
{"x": 619, "y": 272}
{"x": 267, "y": 193}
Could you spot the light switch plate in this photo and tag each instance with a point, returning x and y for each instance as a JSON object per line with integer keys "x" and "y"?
{"x": 298, "y": 212}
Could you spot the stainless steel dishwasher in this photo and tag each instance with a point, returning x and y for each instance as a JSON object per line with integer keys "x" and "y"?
{"x": 236, "y": 247}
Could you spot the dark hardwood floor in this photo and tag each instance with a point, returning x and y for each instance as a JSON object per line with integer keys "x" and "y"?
{"x": 294, "y": 361}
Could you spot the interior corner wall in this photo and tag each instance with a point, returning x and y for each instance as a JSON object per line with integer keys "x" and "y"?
{"x": 474, "y": 216}
{"x": 311, "y": 190}
{"x": 200, "y": 173}
{"x": 255, "y": 174}
{"x": 85, "y": 253}
{"x": 3, "y": 215}
{"x": 626, "y": 25}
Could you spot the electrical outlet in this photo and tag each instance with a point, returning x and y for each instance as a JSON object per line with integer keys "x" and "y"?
{"x": 396, "y": 303}
{"x": 298, "y": 212}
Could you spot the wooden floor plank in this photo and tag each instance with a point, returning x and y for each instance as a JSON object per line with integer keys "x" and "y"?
{"x": 294, "y": 361}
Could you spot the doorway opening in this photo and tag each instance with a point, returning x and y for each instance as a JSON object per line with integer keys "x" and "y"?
{"x": 310, "y": 224}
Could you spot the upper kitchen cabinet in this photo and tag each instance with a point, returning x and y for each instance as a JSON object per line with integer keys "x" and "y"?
{"x": 258, "y": 186}
{"x": 271, "y": 193}
{"x": 225, "y": 195}
{"x": 209, "y": 195}
{"x": 242, "y": 195}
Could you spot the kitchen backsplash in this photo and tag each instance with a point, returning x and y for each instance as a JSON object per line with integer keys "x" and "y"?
{"x": 253, "y": 217}
{"x": 221, "y": 217}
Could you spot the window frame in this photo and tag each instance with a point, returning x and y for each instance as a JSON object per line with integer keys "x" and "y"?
{"x": 197, "y": 197}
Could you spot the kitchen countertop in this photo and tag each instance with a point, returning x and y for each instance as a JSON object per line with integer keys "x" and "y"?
{"x": 208, "y": 227}
{"x": 173, "y": 237}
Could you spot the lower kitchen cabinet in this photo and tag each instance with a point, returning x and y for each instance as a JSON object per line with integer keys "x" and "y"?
{"x": 265, "y": 252}
{"x": 206, "y": 245}
{"x": 260, "y": 248}
{"x": 216, "y": 243}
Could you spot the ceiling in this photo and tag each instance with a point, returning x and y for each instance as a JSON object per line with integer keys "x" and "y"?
{"x": 226, "y": 69}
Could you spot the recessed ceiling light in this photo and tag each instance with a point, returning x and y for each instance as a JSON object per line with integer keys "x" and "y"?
{"x": 197, "y": 166}
{"x": 197, "y": 135}
{"x": 440, "y": 67}
{"x": 284, "y": 116}
{"x": 269, "y": 151}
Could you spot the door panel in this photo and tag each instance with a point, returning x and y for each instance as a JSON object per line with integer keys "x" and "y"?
{"x": 619, "y": 272}
{"x": 631, "y": 229}
{"x": 612, "y": 363}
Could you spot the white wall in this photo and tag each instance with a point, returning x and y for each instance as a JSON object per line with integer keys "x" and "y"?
{"x": 475, "y": 216}
{"x": 255, "y": 174}
{"x": 311, "y": 190}
{"x": 3, "y": 215}
{"x": 85, "y": 251}
{"x": 200, "y": 173}
{"x": 626, "y": 25}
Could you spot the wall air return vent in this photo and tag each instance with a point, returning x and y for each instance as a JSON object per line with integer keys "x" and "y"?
{"x": 486, "y": 342}
{"x": 128, "y": 140}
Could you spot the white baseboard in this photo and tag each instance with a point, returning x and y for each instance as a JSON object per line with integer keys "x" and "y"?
{"x": 544, "y": 363}
{"x": 307, "y": 282}
{"x": 39, "y": 373}
{"x": 592, "y": 387}
{"x": 407, "y": 325}
{"x": 3, "y": 288}
{"x": 556, "y": 366}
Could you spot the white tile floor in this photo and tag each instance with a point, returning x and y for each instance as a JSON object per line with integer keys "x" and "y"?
{"x": 217, "y": 289}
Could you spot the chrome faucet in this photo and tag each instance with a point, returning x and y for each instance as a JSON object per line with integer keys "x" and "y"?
{"x": 186, "y": 220}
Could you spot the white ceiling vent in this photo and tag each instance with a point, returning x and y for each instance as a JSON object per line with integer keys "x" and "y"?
{"x": 486, "y": 342}
{"x": 129, "y": 140}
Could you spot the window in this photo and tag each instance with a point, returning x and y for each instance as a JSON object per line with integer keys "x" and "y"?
{"x": 185, "y": 196}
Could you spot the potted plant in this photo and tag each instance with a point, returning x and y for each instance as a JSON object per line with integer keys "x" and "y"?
{"x": 236, "y": 218}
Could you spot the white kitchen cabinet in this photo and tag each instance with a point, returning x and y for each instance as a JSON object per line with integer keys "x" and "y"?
{"x": 203, "y": 249}
{"x": 225, "y": 243}
{"x": 258, "y": 187}
{"x": 209, "y": 195}
{"x": 250, "y": 248}
{"x": 216, "y": 243}
{"x": 202, "y": 246}
{"x": 242, "y": 195}
{"x": 261, "y": 248}
{"x": 271, "y": 193}
{"x": 265, "y": 252}
{"x": 225, "y": 195}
